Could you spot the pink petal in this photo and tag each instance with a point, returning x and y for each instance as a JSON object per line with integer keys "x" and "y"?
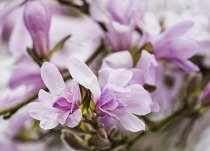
{"x": 75, "y": 90}
{"x": 146, "y": 60}
{"x": 131, "y": 122}
{"x": 138, "y": 76}
{"x": 120, "y": 77}
{"x": 61, "y": 118}
{"x": 45, "y": 98}
{"x": 122, "y": 59}
{"x": 137, "y": 101}
{"x": 103, "y": 75}
{"x": 37, "y": 111}
{"x": 47, "y": 124}
{"x": 52, "y": 78}
{"x": 74, "y": 118}
{"x": 154, "y": 107}
{"x": 178, "y": 29}
{"x": 186, "y": 65}
{"x": 82, "y": 74}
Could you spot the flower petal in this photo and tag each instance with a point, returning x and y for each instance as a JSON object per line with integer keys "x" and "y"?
{"x": 45, "y": 98}
{"x": 82, "y": 74}
{"x": 178, "y": 29}
{"x": 154, "y": 107}
{"x": 74, "y": 118}
{"x": 61, "y": 118}
{"x": 137, "y": 101}
{"x": 122, "y": 59}
{"x": 37, "y": 111}
{"x": 186, "y": 65}
{"x": 103, "y": 75}
{"x": 52, "y": 78}
{"x": 120, "y": 77}
{"x": 47, "y": 124}
{"x": 131, "y": 122}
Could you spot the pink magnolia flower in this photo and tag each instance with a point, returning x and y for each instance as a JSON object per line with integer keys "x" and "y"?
{"x": 117, "y": 100}
{"x": 118, "y": 18}
{"x": 173, "y": 44}
{"x": 59, "y": 106}
{"x": 143, "y": 73}
{"x": 37, "y": 18}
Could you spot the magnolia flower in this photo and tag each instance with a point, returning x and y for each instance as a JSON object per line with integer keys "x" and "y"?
{"x": 173, "y": 44}
{"x": 117, "y": 16}
{"x": 117, "y": 100}
{"x": 59, "y": 106}
{"x": 37, "y": 18}
{"x": 143, "y": 73}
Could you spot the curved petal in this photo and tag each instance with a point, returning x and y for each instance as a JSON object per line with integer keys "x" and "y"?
{"x": 61, "y": 118}
{"x": 120, "y": 77}
{"x": 146, "y": 60}
{"x": 75, "y": 91}
{"x": 131, "y": 122}
{"x": 178, "y": 29}
{"x": 122, "y": 59}
{"x": 36, "y": 110}
{"x": 103, "y": 112}
{"x": 103, "y": 75}
{"x": 186, "y": 65}
{"x": 138, "y": 76}
{"x": 137, "y": 101}
{"x": 74, "y": 118}
{"x": 52, "y": 78}
{"x": 47, "y": 124}
{"x": 82, "y": 74}
{"x": 154, "y": 107}
{"x": 45, "y": 98}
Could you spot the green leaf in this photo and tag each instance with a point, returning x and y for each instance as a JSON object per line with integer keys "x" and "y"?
{"x": 58, "y": 46}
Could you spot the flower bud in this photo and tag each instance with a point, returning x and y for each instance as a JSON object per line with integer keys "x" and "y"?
{"x": 205, "y": 96}
{"x": 72, "y": 140}
{"x": 102, "y": 133}
{"x": 37, "y": 18}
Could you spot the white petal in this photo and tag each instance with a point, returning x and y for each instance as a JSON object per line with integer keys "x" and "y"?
{"x": 82, "y": 74}
{"x": 131, "y": 122}
{"x": 52, "y": 78}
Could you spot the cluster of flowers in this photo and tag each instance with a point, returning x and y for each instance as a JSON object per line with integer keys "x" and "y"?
{"x": 125, "y": 59}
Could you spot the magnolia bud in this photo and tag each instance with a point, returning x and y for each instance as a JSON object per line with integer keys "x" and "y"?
{"x": 37, "y": 18}
{"x": 73, "y": 140}
{"x": 205, "y": 96}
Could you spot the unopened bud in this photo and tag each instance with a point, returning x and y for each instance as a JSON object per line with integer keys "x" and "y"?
{"x": 72, "y": 140}
{"x": 112, "y": 131}
{"x": 102, "y": 133}
{"x": 37, "y": 18}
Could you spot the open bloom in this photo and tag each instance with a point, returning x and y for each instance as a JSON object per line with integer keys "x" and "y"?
{"x": 117, "y": 17}
{"x": 175, "y": 45}
{"x": 143, "y": 73}
{"x": 118, "y": 100}
{"x": 59, "y": 106}
{"x": 37, "y": 18}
